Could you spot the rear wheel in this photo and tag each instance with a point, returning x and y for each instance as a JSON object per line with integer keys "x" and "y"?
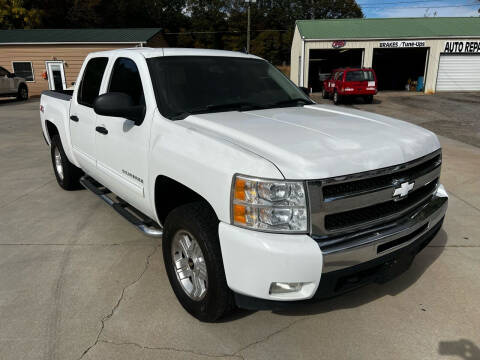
{"x": 193, "y": 260}
{"x": 336, "y": 98}
{"x": 22, "y": 92}
{"x": 67, "y": 174}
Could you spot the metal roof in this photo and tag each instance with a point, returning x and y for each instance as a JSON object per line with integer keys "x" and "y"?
{"x": 394, "y": 28}
{"x": 37, "y": 36}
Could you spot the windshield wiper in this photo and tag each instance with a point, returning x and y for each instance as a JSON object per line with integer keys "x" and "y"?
{"x": 291, "y": 102}
{"x": 238, "y": 106}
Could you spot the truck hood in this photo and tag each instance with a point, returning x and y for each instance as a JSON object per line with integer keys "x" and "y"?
{"x": 318, "y": 141}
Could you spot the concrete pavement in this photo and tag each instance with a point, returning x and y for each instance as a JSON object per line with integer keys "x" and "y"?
{"x": 78, "y": 282}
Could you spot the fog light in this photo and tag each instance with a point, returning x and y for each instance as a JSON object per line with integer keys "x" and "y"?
{"x": 283, "y": 288}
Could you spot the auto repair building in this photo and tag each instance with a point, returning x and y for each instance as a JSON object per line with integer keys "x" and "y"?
{"x": 52, "y": 58}
{"x": 444, "y": 51}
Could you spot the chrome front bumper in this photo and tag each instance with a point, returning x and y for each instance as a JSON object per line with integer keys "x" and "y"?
{"x": 364, "y": 246}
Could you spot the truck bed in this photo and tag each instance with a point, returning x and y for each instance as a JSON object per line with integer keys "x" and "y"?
{"x": 59, "y": 94}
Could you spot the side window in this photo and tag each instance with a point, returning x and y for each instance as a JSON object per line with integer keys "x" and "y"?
{"x": 3, "y": 72}
{"x": 91, "y": 81}
{"x": 126, "y": 79}
{"x": 23, "y": 69}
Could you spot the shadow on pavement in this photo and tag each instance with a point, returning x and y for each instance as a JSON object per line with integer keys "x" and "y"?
{"x": 463, "y": 348}
{"x": 6, "y": 101}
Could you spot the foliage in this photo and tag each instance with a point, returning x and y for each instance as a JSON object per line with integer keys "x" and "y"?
{"x": 14, "y": 15}
{"x": 219, "y": 24}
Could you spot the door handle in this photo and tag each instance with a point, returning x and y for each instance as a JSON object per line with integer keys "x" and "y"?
{"x": 74, "y": 118}
{"x": 101, "y": 130}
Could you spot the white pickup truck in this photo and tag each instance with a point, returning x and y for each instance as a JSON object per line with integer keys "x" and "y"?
{"x": 262, "y": 197}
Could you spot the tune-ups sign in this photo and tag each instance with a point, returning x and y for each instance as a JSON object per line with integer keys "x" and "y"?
{"x": 462, "y": 47}
{"x": 401, "y": 44}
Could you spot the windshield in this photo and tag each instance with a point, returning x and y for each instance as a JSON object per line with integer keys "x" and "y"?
{"x": 360, "y": 75}
{"x": 186, "y": 85}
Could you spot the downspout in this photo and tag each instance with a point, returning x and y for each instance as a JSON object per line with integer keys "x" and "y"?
{"x": 302, "y": 70}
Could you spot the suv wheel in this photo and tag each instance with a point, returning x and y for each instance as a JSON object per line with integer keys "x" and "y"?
{"x": 67, "y": 174}
{"x": 22, "y": 92}
{"x": 193, "y": 260}
{"x": 336, "y": 98}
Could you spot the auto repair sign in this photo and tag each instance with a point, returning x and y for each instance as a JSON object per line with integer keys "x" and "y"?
{"x": 462, "y": 47}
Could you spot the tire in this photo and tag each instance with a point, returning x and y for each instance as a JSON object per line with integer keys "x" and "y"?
{"x": 324, "y": 94}
{"x": 197, "y": 225}
{"x": 336, "y": 98}
{"x": 22, "y": 93}
{"x": 67, "y": 174}
{"x": 369, "y": 99}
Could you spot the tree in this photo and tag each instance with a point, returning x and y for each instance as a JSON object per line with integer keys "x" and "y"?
{"x": 14, "y": 15}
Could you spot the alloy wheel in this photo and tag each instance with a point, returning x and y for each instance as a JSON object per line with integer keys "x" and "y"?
{"x": 189, "y": 265}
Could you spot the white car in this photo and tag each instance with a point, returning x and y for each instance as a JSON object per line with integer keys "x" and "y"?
{"x": 262, "y": 197}
{"x": 11, "y": 85}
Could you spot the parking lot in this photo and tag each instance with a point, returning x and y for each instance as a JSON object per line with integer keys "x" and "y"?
{"x": 78, "y": 282}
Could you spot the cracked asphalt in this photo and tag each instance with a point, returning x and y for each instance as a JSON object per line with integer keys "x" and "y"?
{"x": 78, "y": 282}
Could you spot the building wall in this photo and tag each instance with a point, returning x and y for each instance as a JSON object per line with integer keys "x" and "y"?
{"x": 71, "y": 55}
{"x": 295, "y": 54}
{"x": 436, "y": 47}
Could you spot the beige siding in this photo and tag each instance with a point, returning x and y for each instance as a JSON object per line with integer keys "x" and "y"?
{"x": 71, "y": 55}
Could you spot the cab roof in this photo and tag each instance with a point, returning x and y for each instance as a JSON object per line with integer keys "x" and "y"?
{"x": 148, "y": 52}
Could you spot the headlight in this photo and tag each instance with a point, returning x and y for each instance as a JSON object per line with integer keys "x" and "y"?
{"x": 269, "y": 205}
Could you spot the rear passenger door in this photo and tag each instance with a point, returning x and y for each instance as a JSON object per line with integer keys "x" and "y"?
{"x": 122, "y": 151}
{"x": 82, "y": 117}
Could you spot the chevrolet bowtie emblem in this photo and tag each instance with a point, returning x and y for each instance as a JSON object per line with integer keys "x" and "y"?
{"x": 403, "y": 189}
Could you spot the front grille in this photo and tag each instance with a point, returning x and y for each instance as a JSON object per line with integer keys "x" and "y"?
{"x": 352, "y": 188}
{"x": 373, "y": 212}
{"x": 360, "y": 202}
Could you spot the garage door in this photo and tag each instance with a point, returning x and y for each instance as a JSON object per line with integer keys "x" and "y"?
{"x": 459, "y": 73}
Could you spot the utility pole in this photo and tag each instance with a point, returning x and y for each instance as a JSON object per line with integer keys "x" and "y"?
{"x": 248, "y": 23}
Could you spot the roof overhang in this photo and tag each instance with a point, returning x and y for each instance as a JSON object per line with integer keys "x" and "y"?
{"x": 74, "y": 43}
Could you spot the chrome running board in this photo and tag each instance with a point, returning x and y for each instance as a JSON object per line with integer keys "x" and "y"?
{"x": 141, "y": 221}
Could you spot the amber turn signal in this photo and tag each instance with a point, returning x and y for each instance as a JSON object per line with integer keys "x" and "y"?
{"x": 239, "y": 189}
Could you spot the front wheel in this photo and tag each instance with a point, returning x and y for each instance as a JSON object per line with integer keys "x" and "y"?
{"x": 22, "y": 93}
{"x": 193, "y": 260}
{"x": 324, "y": 94}
{"x": 336, "y": 98}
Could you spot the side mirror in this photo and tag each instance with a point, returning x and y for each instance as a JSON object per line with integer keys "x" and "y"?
{"x": 119, "y": 105}
{"x": 305, "y": 90}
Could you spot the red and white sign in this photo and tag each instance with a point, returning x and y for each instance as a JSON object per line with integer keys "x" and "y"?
{"x": 339, "y": 44}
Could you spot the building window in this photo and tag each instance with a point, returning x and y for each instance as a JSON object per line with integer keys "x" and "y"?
{"x": 23, "y": 69}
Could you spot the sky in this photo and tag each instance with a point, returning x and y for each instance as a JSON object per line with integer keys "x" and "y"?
{"x": 418, "y": 8}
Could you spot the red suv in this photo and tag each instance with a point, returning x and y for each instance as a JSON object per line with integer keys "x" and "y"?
{"x": 350, "y": 82}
